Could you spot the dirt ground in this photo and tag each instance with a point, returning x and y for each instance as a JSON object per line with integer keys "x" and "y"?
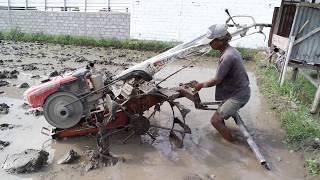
{"x": 205, "y": 154}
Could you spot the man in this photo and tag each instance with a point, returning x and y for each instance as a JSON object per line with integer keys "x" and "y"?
{"x": 231, "y": 79}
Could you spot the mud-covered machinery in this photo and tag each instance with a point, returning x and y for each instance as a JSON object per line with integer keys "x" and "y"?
{"x": 54, "y": 94}
{"x": 82, "y": 102}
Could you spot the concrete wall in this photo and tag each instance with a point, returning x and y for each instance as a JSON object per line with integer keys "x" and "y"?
{"x": 181, "y": 20}
{"x": 91, "y": 24}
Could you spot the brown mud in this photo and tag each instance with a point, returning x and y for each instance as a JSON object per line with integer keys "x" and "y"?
{"x": 205, "y": 153}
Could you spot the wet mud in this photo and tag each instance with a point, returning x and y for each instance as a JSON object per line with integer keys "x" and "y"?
{"x": 28, "y": 161}
{"x": 205, "y": 155}
{"x": 70, "y": 157}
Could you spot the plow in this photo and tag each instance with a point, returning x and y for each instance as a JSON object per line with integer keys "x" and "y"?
{"x": 85, "y": 103}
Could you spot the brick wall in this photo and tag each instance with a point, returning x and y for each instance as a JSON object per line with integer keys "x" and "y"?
{"x": 91, "y": 24}
{"x": 181, "y": 20}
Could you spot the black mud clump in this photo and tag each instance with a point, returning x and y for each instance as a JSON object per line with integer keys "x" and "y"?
{"x": 28, "y": 161}
{"x": 4, "y": 144}
{"x": 29, "y": 67}
{"x": 35, "y": 76}
{"x": 98, "y": 160}
{"x": 9, "y": 74}
{"x": 6, "y": 126}
{"x": 24, "y": 85}
{"x": 80, "y": 59}
{"x": 4, "y": 108}
{"x": 54, "y": 74}
{"x": 25, "y": 106}
{"x": 3, "y": 83}
{"x": 37, "y": 112}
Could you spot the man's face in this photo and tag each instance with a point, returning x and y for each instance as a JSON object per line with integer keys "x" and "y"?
{"x": 216, "y": 44}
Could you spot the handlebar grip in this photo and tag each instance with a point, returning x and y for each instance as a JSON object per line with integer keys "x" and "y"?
{"x": 264, "y": 25}
{"x": 227, "y": 11}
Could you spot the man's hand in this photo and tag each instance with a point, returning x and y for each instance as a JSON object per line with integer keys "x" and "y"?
{"x": 198, "y": 86}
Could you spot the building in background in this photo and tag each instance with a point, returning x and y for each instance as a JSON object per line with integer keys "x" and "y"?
{"x": 180, "y": 20}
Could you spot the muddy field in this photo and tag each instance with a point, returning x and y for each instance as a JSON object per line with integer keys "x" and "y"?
{"x": 205, "y": 154}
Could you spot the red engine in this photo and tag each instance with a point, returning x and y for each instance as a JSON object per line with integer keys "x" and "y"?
{"x": 37, "y": 95}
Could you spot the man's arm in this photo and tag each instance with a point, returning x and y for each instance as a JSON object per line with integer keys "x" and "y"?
{"x": 209, "y": 83}
{"x": 222, "y": 72}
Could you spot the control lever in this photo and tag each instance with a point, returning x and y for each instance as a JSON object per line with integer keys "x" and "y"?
{"x": 227, "y": 11}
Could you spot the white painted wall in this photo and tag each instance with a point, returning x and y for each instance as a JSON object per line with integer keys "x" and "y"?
{"x": 181, "y": 20}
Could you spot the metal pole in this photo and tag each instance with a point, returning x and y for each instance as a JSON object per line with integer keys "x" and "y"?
{"x": 26, "y": 5}
{"x": 284, "y": 69}
{"x": 85, "y": 18}
{"x": 9, "y": 12}
{"x": 64, "y": 5}
{"x": 85, "y": 5}
{"x": 108, "y": 4}
{"x": 291, "y": 43}
{"x": 250, "y": 141}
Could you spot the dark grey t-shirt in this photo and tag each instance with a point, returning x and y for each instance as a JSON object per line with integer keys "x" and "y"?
{"x": 234, "y": 78}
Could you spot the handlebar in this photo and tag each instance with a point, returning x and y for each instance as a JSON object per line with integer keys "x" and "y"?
{"x": 258, "y": 24}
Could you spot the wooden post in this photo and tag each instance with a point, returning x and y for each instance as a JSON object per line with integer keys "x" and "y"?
{"x": 295, "y": 74}
{"x": 64, "y": 5}
{"x": 316, "y": 101}
{"x": 9, "y": 5}
{"x": 108, "y": 4}
{"x": 26, "y": 5}
{"x": 45, "y": 5}
{"x": 284, "y": 69}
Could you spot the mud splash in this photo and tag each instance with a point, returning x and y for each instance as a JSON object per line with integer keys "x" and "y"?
{"x": 205, "y": 153}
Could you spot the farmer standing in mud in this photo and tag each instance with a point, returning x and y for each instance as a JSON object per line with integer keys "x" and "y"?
{"x": 231, "y": 79}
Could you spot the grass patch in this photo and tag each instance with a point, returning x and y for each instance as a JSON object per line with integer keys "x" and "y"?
{"x": 313, "y": 167}
{"x": 294, "y": 99}
{"x": 292, "y": 103}
{"x": 141, "y": 45}
{"x": 299, "y": 125}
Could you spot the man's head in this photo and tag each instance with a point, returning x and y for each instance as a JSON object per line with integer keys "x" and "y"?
{"x": 218, "y": 36}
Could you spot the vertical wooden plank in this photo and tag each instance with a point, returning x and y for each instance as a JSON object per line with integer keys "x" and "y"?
{"x": 295, "y": 74}
{"x": 316, "y": 101}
